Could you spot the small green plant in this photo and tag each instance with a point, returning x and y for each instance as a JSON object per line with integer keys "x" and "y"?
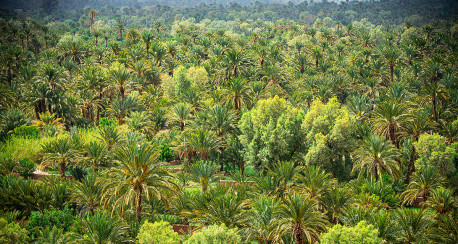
{"x": 104, "y": 121}
{"x": 26, "y": 131}
{"x": 158, "y": 232}
{"x": 63, "y": 219}
{"x": 215, "y": 234}
{"x": 361, "y": 233}
{"x": 167, "y": 154}
{"x": 13, "y": 233}
{"x": 26, "y": 167}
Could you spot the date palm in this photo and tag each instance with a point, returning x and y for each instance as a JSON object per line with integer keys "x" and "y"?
{"x": 121, "y": 77}
{"x": 110, "y": 136}
{"x": 391, "y": 56}
{"x": 122, "y": 108}
{"x": 102, "y": 229}
{"x": 137, "y": 175}
{"x": 180, "y": 113}
{"x": 298, "y": 215}
{"x": 442, "y": 201}
{"x": 97, "y": 155}
{"x": 416, "y": 123}
{"x": 422, "y": 184}
{"x": 147, "y": 37}
{"x": 93, "y": 79}
{"x": 87, "y": 193}
{"x": 376, "y": 156}
{"x": 388, "y": 118}
{"x": 238, "y": 92}
{"x": 315, "y": 181}
{"x": 60, "y": 151}
{"x": 335, "y": 201}
{"x": 414, "y": 225}
{"x": 234, "y": 62}
{"x": 261, "y": 219}
{"x": 203, "y": 142}
{"x": 205, "y": 173}
{"x": 52, "y": 236}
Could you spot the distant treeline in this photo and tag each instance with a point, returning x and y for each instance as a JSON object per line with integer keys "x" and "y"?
{"x": 416, "y": 12}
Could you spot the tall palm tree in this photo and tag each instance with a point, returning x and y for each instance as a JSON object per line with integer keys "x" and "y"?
{"x": 87, "y": 193}
{"x": 102, "y": 229}
{"x": 442, "y": 201}
{"x": 261, "y": 219}
{"x": 60, "y": 151}
{"x": 137, "y": 175}
{"x": 110, "y": 136}
{"x": 391, "y": 56}
{"x": 181, "y": 113}
{"x": 388, "y": 118}
{"x": 92, "y": 14}
{"x": 147, "y": 37}
{"x": 97, "y": 155}
{"x": 416, "y": 123}
{"x": 375, "y": 156}
{"x": 121, "y": 108}
{"x": 414, "y": 225}
{"x": 93, "y": 79}
{"x": 204, "y": 142}
{"x": 121, "y": 77}
{"x": 204, "y": 172}
{"x": 422, "y": 184}
{"x": 298, "y": 215}
{"x": 335, "y": 201}
{"x": 238, "y": 92}
{"x": 234, "y": 62}
{"x": 315, "y": 181}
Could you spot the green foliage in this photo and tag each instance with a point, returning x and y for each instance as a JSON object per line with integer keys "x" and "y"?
{"x": 158, "y": 233}
{"x": 215, "y": 234}
{"x": 328, "y": 132}
{"x": 26, "y": 167}
{"x": 26, "y": 131}
{"x": 433, "y": 151}
{"x": 13, "y": 233}
{"x": 167, "y": 154}
{"x": 361, "y": 233}
{"x": 63, "y": 219}
{"x": 271, "y": 133}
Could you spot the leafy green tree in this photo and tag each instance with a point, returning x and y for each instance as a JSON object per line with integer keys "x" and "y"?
{"x": 328, "y": 132}
{"x": 433, "y": 151}
{"x": 215, "y": 234}
{"x": 157, "y": 232}
{"x": 376, "y": 156}
{"x": 271, "y": 133}
{"x": 361, "y": 233}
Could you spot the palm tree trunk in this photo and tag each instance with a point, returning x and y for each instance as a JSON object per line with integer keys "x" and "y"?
{"x": 391, "y": 71}
{"x": 138, "y": 208}
{"x": 376, "y": 173}
{"x": 434, "y": 108}
{"x": 298, "y": 235}
{"x": 410, "y": 166}
{"x": 62, "y": 169}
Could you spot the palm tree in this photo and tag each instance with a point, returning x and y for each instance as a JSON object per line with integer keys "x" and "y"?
{"x": 102, "y": 229}
{"x": 97, "y": 154}
{"x": 238, "y": 92}
{"x": 137, "y": 175}
{"x": 261, "y": 219}
{"x": 417, "y": 122}
{"x": 87, "y": 193}
{"x": 388, "y": 118}
{"x": 391, "y": 56}
{"x": 204, "y": 172}
{"x": 52, "y": 236}
{"x": 445, "y": 230}
{"x": 301, "y": 60}
{"x": 181, "y": 113}
{"x": 435, "y": 93}
{"x": 413, "y": 224}
{"x": 317, "y": 55}
{"x": 299, "y": 216}
{"x": 147, "y": 37}
{"x": 46, "y": 120}
{"x": 335, "y": 201}
{"x": 121, "y": 78}
{"x": 315, "y": 181}
{"x": 422, "y": 184}
{"x": 375, "y": 156}
{"x": 122, "y": 108}
{"x": 442, "y": 201}
{"x": 93, "y": 79}
{"x": 132, "y": 34}
{"x": 60, "y": 151}
{"x": 203, "y": 142}
{"x": 92, "y": 14}
{"x": 234, "y": 62}
{"x": 109, "y": 135}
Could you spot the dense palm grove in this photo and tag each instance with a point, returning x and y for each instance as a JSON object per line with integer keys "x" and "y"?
{"x": 242, "y": 131}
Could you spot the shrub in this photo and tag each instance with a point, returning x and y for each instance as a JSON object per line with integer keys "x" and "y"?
{"x": 157, "y": 233}
{"x": 361, "y": 233}
{"x": 21, "y": 147}
{"x": 12, "y": 233}
{"x": 167, "y": 154}
{"x": 215, "y": 234}
{"x": 62, "y": 219}
{"x": 104, "y": 121}
{"x": 26, "y": 131}
{"x": 26, "y": 167}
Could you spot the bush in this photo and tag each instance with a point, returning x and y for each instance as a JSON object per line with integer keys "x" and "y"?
{"x": 215, "y": 234}
{"x": 157, "y": 233}
{"x": 26, "y": 167}
{"x": 12, "y": 233}
{"x": 62, "y": 219}
{"x": 27, "y": 131}
{"x": 361, "y": 233}
{"x": 167, "y": 154}
{"x": 104, "y": 121}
